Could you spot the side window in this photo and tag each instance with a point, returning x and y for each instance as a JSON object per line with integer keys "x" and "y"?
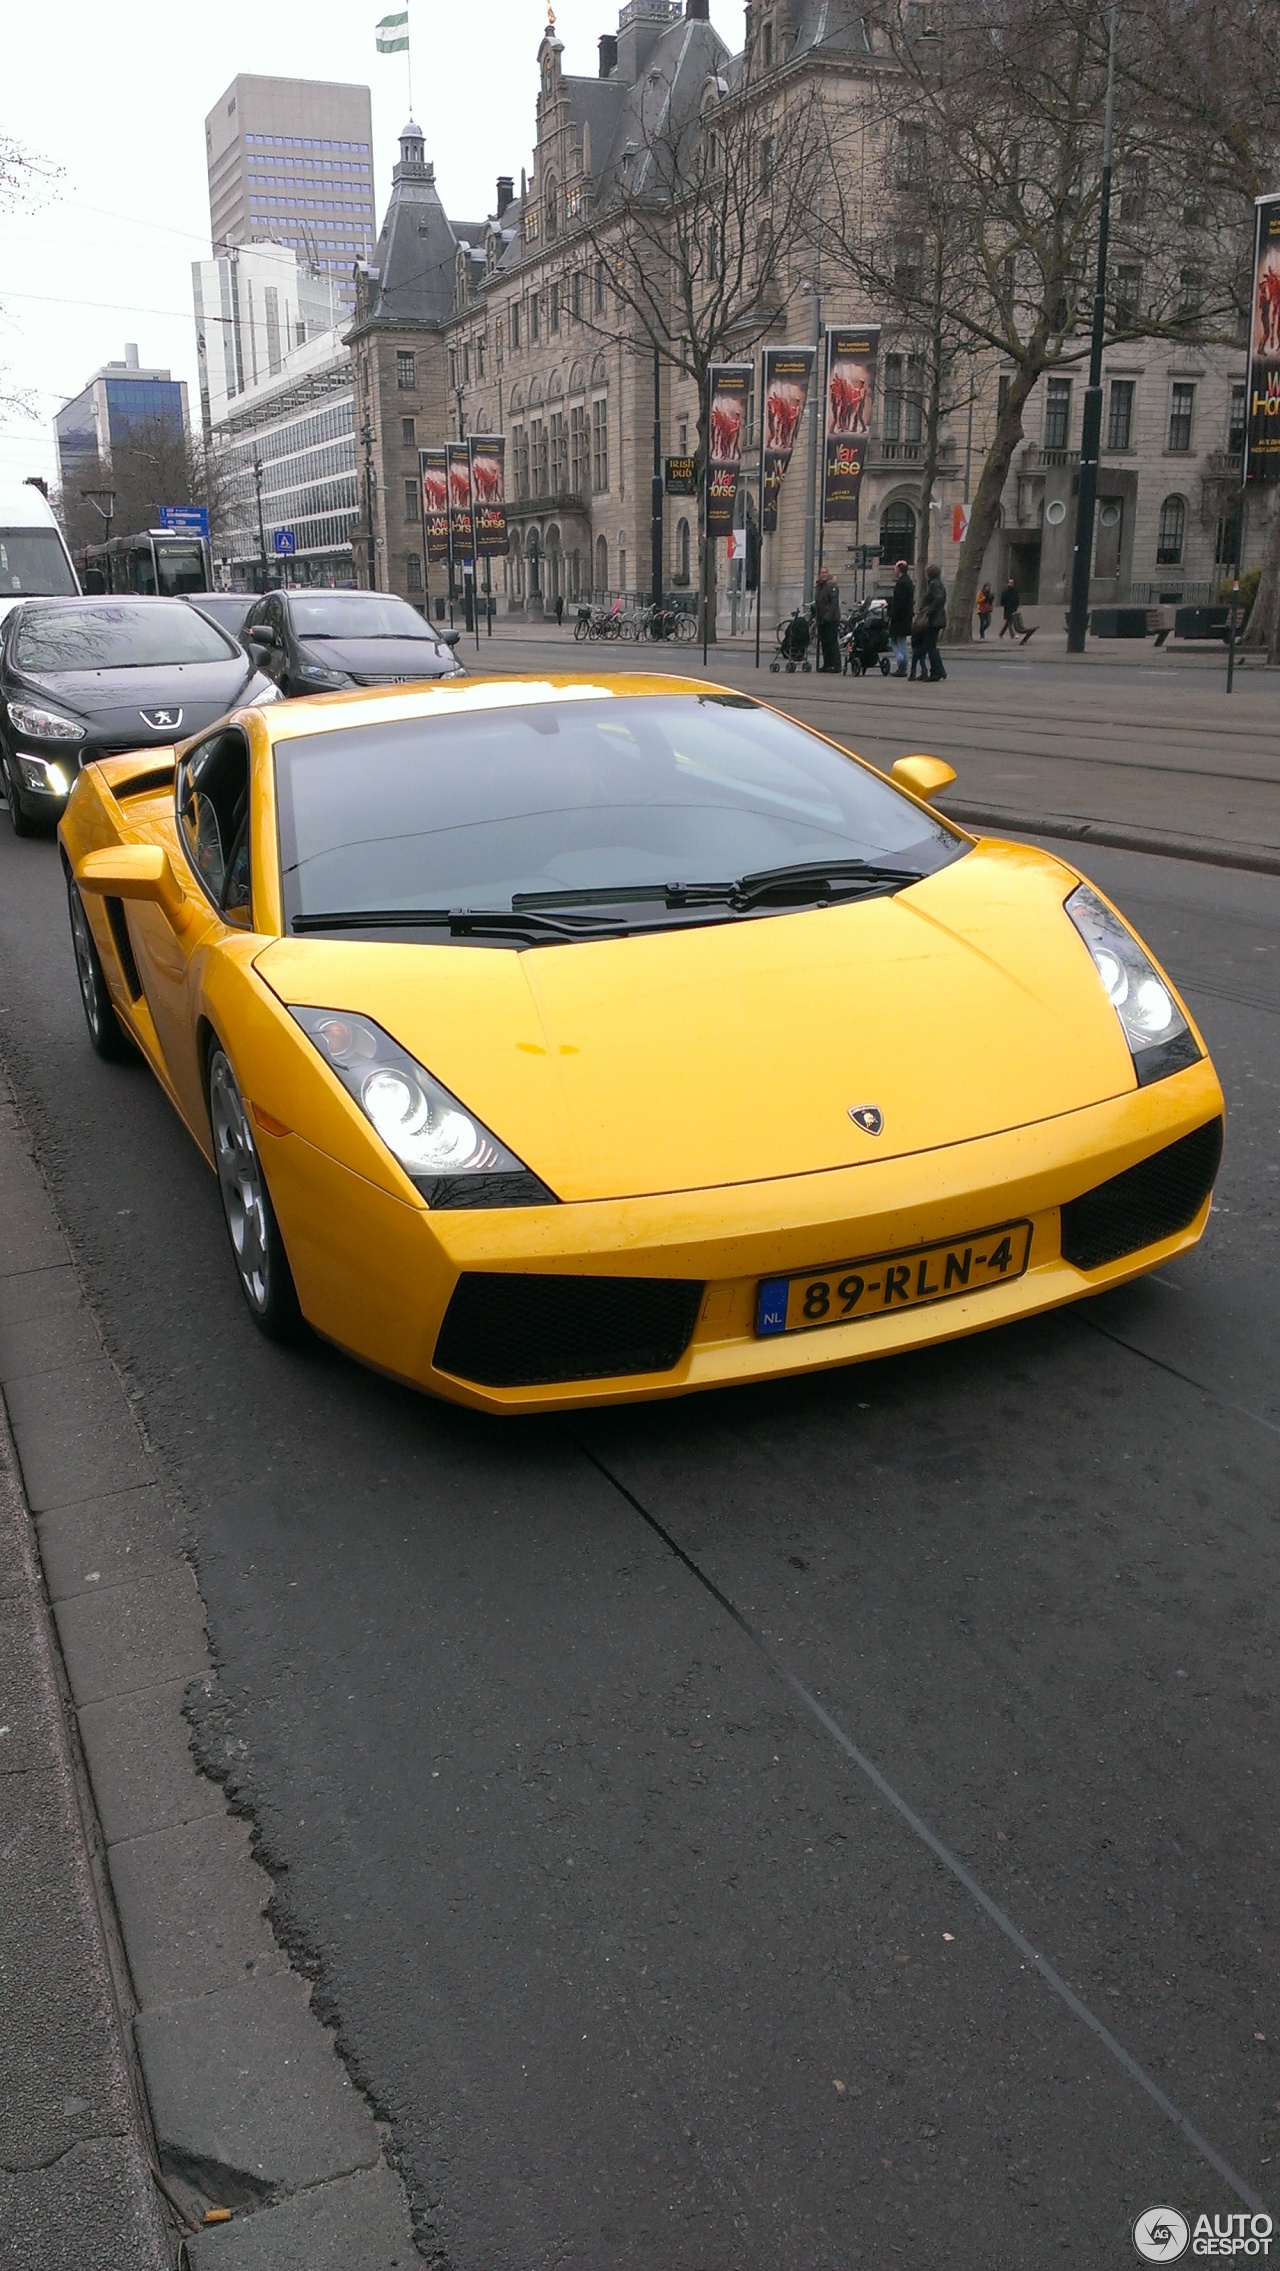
{"x": 213, "y": 815}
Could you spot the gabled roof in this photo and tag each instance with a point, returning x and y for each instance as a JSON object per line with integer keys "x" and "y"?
{"x": 411, "y": 276}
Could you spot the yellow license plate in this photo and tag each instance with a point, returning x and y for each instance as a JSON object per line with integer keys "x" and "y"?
{"x": 884, "y": 1283}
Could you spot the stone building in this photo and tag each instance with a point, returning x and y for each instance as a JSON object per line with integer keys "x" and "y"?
{"x": 510, "y": 325}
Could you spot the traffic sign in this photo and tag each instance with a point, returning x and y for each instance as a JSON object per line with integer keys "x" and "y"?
{"x": 185, "y": 520}
{"x": 284, "y": 542}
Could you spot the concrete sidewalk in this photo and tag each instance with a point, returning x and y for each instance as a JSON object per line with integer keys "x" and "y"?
{"x": 169, "y": 2095}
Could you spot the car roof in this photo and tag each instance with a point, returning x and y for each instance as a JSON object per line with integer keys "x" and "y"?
{"x": 21, "y": 506}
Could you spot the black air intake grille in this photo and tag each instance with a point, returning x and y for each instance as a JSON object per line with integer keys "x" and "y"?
{"x": 1151, "y": 1201}
{"x": 505, "y": 1330}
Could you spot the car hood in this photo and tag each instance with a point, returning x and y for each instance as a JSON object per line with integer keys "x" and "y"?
{"x": 111, "y": 702}
{"x": 380, "y": 658}
{"x": 966, "y": 1006}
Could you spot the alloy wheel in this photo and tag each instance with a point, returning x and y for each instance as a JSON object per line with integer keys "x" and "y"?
{"x": 244, "y": 1196}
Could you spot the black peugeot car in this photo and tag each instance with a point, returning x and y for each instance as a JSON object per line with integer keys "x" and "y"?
{"x": 86, "y": 678}
{"x": 313, "y": 642}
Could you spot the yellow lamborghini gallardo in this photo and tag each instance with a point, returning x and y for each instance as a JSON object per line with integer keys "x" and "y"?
{"x": 568, "y": 1040}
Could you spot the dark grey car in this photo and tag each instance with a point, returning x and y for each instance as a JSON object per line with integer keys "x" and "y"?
{"x": 86, "y": 678}
{"x": 314, "y": 642}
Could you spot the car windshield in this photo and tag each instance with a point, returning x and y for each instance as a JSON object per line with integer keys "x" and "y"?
{"x": 32, "y": 560}
{"x": 581, "y": 794}
{"x": 227, "y": 608}
{"x": 356, "y": 615}
{"x": 118, "y": 635}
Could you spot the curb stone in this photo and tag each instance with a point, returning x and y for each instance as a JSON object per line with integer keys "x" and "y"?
{"x": 250, "y": 2105}
{"x": 1116, "y": 837}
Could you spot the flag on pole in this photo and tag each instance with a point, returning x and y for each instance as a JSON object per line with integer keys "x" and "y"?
{"x": 392, "y": 34}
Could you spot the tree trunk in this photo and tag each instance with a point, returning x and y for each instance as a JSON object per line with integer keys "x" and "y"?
{"x": 706, "y": 545}
{"x": 1264, "y": 616}
{"x": 986, "y": 504}
{"x": 929, "y": 465}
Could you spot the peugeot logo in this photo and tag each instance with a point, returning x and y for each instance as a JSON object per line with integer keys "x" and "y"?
{"x": 868, "y": 1117}
{"x": 161, "y": 721}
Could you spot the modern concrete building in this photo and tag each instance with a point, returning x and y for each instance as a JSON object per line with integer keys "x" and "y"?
{"x": 291, "y": 162}
{"x": 254, "y": 305}
{"x": 118, "y": 399}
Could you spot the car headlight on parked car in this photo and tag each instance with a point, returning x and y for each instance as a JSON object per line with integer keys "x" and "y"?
{"x": 324, "y": 680}
{"x": 42, "y": 724}
{"x": 267, "y": 692}
{"x": 38, "y": 774}
{"x": 422, "y": 1125}
{"x": 1160, "y": 1040}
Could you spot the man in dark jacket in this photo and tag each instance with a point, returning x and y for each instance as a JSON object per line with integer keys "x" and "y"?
{"x": 902, "y": 606}
{"x": 826, "y": 614}
{"x": 933, "y": 609}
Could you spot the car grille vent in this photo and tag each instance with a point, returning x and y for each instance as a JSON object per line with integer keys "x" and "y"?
{"x": 1151, "y": 1201}
{"x": 504, "y": 1329}
{"x": 119, "y": 922}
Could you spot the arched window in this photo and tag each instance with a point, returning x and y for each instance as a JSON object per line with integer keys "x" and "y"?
{"x": 897, "y": 535}
{"x": 1173, "y": 530}
{"x": 602, "y": 566}
{"x": 682, "y": 552}
{"x": 551, "y": 203}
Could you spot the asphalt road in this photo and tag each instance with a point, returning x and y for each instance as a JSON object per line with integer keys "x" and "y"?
{"x": 638, "y": 1962}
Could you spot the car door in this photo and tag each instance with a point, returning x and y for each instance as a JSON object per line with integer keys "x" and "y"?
{"x": 210, "y": 848}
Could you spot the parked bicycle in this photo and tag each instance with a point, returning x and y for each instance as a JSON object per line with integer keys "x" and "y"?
{"x": 674, "y": 623}
{"x": 604, "y": 623}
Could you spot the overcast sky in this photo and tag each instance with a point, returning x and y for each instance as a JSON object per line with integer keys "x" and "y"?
{"x": 114, "y": 93}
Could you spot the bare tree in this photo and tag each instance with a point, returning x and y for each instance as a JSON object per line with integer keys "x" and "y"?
{"x": 1001, "y": 103}
{"x": 1210, "y": 74}
{"x": 704, "y": 235}
{"x": 156, "y": 465}
{"x": 24, "y": 180}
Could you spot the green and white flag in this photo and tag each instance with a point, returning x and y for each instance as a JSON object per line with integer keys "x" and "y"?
{"x": 392, "y": 34}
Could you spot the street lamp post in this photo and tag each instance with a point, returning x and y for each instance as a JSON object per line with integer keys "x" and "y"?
{"x": 262, "y": 534}
{"x": 656, "y": 504}
{"x": 366, "y": 437}
{"x": 1091, "y": 424}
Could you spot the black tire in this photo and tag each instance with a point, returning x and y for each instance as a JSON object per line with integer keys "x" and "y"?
{"x": 806, "y": 666}
{"x": 775, "y": 666}
{"x": 22, "y": 819}
{"x": 854, "y": 667}
{"x": 886, "y": 665}
{"x": 107, "y": 1036}
{"x": 262, "y": 1265}
{"x": 790, "y": 666}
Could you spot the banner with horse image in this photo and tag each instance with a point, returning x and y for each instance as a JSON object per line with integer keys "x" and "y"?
{"x": 1262, "y": 396}
{"x": 852, "y": 350}
{"x": 728, "y": 397}
{"x": 458, "y": 456}
{"x": 488, "y": 495}
{"x": 435, "y": 504}
{"x": 785, "y": 380}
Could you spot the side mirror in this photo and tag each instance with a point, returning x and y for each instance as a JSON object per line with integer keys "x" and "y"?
{"x": 924, "y": 776}
{"x": 262, "y": 635}
{"x": 136, "y": 871}
{"x": 448, "y": 638}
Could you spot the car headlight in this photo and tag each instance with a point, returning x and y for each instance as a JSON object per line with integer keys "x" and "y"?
{"x": 317, "y": 675}
{"x": 267, "y": 692}
{"x": 37, "y": 774}
{"x": 437, "y": 1141}
{"x": 42, "y": 724}
{"x": 1160, "y": 1040}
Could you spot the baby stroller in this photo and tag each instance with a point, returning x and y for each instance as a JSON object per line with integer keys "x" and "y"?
{"x": 866, "y": 639}
{"x": 793, "y": 643}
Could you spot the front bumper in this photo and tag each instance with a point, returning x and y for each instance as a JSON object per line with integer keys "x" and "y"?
{"x": 375, "y": 1274}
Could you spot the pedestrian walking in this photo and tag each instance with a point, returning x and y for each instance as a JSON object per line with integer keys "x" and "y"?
{"x": 933, "y": 616}
{"x": 559, "y": 609}
{"x": 826, "y": 614}
{"x": 902, "y": 606}
{"x": 1011, "y": 607}
{"x": 986, "y": 609}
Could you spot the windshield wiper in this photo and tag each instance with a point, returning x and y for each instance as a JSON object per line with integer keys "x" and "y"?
{"x": 805, "y": 881}
{"x": 460, "y": 922}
